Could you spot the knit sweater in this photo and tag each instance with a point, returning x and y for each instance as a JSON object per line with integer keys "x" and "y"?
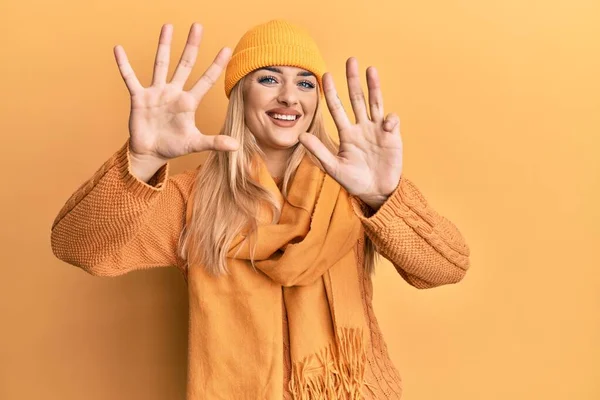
{"x": 115, "y": 223}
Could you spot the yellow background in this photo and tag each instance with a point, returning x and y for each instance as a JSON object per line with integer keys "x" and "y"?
{"x": 500, "y": 110}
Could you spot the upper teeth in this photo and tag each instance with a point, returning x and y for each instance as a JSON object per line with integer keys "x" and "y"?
{"x": 284, "y": 116}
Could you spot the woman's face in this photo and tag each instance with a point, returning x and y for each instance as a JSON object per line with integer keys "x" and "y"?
{"x": 279, "y": 104}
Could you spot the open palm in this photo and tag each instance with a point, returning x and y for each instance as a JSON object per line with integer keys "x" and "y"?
{"x": 369, "y": 162}
{"x": 162, "y": 120}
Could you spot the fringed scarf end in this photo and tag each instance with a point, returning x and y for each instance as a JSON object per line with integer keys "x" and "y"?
{"x": 336, "y": 372}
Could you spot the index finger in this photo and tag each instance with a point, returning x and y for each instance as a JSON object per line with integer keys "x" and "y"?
{"x": 334, "y": 104}
{"x": 357, "y": 97}
{"x": 212, "y": 73}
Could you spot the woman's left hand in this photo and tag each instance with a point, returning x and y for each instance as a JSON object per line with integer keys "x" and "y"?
{"x": 369, "y": 162}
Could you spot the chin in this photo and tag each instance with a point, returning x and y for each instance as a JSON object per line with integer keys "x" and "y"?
{"x": 284, "y": 139}
{"x": 284, "y": 144}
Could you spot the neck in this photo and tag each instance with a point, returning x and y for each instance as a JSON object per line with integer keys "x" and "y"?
{"x": 276, "y": 161}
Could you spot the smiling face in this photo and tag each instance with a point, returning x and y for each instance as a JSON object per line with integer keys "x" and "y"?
{"x": 279, "y": 104}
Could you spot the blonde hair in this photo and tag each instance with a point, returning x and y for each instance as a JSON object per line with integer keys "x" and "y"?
{"x": 231, "y": 204}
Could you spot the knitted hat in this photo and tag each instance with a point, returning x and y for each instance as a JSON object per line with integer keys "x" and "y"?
{"x": 276, "y": 42}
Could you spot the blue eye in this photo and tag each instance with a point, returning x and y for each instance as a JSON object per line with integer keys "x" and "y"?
{"x": 271, "y": 80}
{"x": 307, "y": 84}
{"x": 267, "y": 79}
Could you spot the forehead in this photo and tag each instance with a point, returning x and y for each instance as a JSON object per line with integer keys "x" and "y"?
{"x": 286, "y": 70}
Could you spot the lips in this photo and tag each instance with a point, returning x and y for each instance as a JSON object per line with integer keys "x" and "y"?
{"x": 284, "y": 117}
{"x": 284, "y": 120}
{"x": 284, "y": 112}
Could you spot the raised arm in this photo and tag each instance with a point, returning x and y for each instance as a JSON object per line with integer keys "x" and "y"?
{"x": 130, "y": 214}
{"x": 426, "y": 248}
{"x": 115, "y": 223}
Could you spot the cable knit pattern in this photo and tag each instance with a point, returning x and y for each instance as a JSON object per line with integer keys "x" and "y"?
{"x": 426, "y": 248}
{"x": 115, "y": 223}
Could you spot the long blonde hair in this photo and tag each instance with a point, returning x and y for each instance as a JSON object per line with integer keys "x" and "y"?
{"x": 231, "y": 204}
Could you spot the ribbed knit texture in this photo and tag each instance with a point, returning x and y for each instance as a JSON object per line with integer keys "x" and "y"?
{"x": 115, "y": 223}
{"x": 274, "y": 43}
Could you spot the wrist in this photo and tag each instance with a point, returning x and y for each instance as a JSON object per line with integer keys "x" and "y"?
{"x": 374, "y": 204}
{"x": 144, "y": 167}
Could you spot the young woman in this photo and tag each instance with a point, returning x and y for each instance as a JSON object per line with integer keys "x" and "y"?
{"x": 276, "y": 243}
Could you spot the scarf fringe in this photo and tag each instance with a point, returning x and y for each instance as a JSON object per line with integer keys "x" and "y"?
{"x": 335, "y": 372}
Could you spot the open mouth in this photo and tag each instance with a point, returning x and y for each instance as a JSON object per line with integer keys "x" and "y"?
{"x": 283, "y": 117}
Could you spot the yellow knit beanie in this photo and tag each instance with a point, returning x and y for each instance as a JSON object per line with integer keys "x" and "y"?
{"x": 276, "y": 42}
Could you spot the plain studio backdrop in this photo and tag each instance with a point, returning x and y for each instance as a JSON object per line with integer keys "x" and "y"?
{"x": 500, "y": 111}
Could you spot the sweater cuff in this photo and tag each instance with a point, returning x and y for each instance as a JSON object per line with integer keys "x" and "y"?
{"x": 405, "y": 202}
{"x": 135, "y": 185}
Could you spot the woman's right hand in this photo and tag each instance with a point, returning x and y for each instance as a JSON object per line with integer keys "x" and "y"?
{"x": 162, "y": 120}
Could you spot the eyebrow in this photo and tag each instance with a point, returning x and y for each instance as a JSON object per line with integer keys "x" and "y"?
{"x": 278, "y": 71}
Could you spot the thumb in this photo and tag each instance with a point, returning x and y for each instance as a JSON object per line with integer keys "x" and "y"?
{"x": 214, "y": 142}
{"x": 224, "y": 143}
{"x": 318, "y": 149}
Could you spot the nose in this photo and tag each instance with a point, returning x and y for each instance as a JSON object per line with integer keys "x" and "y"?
{"x": 288, "y": 95}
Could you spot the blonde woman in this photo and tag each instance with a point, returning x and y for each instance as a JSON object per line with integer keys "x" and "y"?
{"x": 277, "y": 244}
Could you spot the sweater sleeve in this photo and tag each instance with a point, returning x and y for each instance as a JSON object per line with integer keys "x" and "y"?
{"x": 426, "y": 249}
{"x": 115, "y": 223}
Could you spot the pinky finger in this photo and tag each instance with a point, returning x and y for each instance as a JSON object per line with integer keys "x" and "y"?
{"x": 133, "y": 85}
{"x": 391, "y": 122}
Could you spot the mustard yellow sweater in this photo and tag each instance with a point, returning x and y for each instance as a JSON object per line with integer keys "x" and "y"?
{"x": 115, "y": 223}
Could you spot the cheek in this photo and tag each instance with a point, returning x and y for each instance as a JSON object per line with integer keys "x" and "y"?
{"x": 309, "y": 101}
{"x": 310, "y": 107}
{"x": 254, "y": 100}
{"x": 252, "y": 111}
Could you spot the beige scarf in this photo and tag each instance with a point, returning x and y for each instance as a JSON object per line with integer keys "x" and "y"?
{"x": 306, "y": 261}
